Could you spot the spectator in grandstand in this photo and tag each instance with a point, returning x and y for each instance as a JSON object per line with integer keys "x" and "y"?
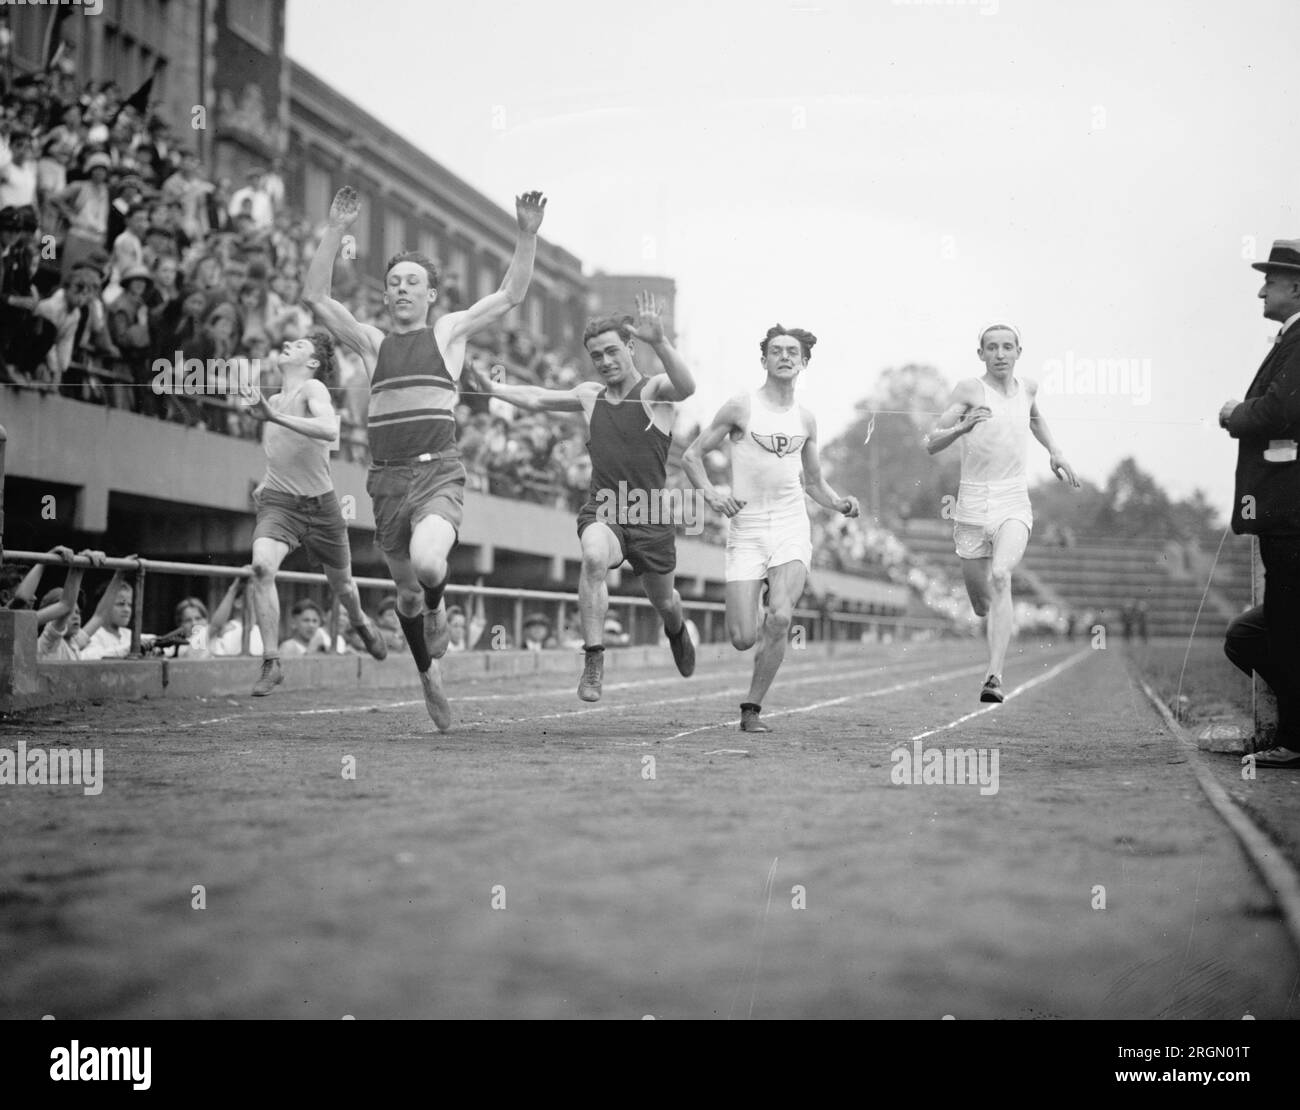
{"x": 17, "y": 170}
{"x": 307, "y": 637}
{"x": 128, "y": 324}
{"x": 254, "y": 200}
{"x": 188, "y": 187}
{"x": 128, "y": 247}
{"x": 25, "y": 337}
{"x": 85, "y": 205}
{"x": 614, "y": 634}
{"x": 80, "y": 329}
{"x": 1266, "y": 639}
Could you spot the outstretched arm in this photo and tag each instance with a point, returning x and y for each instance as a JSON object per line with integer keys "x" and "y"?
{"x": 677, "y": 383}
{"x": 730, "y": 417}
{"x": 458, "y": 326}
{"x": 362, "y": 338}
{"x": 1062, "y": 469}
{"x": 963, "y": 413}
{"x": 814, "y": 482}
{"x": 533, "y": 398}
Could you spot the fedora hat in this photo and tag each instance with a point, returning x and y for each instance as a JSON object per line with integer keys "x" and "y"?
{"x": 136, "y": 273}
{"x": 1283, "y": 258}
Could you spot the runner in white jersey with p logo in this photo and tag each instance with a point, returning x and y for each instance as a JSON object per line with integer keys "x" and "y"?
{"x": 993, "y": 417}
{"x": 774, "y": 465}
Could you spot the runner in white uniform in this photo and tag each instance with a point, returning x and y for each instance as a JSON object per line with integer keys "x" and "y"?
{"x": 994, "y": 416}
{"x": 774, "y": 465}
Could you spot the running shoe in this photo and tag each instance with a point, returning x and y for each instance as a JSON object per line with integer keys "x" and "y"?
{"x": 1277, "y": 757}
{"x": 992, "y": 690}
{"x": 435, "y": 701}
{"x": 593, "y": 675}
{"x": 269, "y": 679}
{"x": 749, "y": 721}
{"x": 373, "y": 640}
{"x": 683, "y": 651}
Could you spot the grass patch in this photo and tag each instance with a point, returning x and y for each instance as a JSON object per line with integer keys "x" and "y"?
{"x": 1215, "y": 690}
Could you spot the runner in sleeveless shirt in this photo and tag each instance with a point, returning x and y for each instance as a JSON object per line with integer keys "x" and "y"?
{"x": 774, "y": 464}
{"x": 631, "y": 419}
{"x": 993, "y": 416}
{"x": 296, "y": 503}
{"x": 417, "y": 481}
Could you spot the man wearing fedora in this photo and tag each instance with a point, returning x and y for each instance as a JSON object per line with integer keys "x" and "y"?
{"x": 128, "y": 323}
{"x": 1266, "y": 425}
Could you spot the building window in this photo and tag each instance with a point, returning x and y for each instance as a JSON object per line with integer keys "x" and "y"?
{"x": 427, "y": 244}
{"x": 317, "y": 192}
{"x": 394, "y": 234}
{"x": 489, "y": 279}
{"x": 253, "y": 20}
{"x": 361, "y": 228}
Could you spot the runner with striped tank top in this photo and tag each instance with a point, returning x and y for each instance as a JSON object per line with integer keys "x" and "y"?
{"x": 296, "y": 503}
{"x": 993, "y": 417}
{"x": 417, "y": 480}
{"x": 775, "y": 464}
{"x": 631, "y": 419}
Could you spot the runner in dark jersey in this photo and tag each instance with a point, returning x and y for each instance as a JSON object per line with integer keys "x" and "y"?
{"x": 631, "y": 420}
{"x": 417, "y": 481}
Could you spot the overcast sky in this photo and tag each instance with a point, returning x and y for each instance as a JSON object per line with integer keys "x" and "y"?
{"x": 889, "y": 176}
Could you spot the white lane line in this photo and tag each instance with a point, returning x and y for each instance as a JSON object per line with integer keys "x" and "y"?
{"x": 723, "y": 676}
{"x": 1065, "y": 664}
{"x": 896, "y": 688}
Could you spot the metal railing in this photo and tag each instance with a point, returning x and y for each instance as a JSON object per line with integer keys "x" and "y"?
{"x": 823, "y": 622}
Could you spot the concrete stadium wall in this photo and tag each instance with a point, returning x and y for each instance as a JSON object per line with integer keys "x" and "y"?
{"x": 100, "y": 451}
{"x": 28, "y": 684}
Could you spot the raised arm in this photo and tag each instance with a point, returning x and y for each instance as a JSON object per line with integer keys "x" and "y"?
{"x": 814, "y": 482}
{"x": 362, "y": 338}
{"x": 323, "y": 423}
{"x": 1062, "y": 469}
{"x": 731, "y": 417}
{"x": 963, "y": 413}
{"x": 677, "y": 383}
{"x": 459, "y": 326}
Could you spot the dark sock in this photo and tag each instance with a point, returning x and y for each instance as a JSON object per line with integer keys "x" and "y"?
{"x": 589, "y": 650}
{"x": 413, "y": 630}
{"x": 750, "y": 705}
{"x": 680, "y": 629}
{"x": 433, "y": 594}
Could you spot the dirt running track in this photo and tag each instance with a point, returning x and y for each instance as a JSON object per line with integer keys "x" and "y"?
{"x": 625, "y": 895}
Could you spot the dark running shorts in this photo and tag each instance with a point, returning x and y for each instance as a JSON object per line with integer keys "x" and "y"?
{"x": 404, "y": 495}
{"x": 315, "y": 523}
{"x": 649, "y": 548}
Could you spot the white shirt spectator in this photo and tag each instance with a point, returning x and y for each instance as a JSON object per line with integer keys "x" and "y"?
{"x": 17, "y": 179}
{"x": 263, "y": 210}
{"x": 51, "y": 647}
{"x": 55, "y": 309}
{"x": 128, "y": 253}
{"x": 229, "y": 640}
{"x": 108, "y": 645}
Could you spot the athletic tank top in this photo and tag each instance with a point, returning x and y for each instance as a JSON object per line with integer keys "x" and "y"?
{"x": 625, "y": 446}
{"x": 295, "y": 463}
{"x": 412, "y": 398}
{"x": 767, "y": 462}
{"x": 995, "y": 452}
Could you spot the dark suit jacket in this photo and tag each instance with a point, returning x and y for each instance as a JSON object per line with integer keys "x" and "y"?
{"x": 1271, "y": 410}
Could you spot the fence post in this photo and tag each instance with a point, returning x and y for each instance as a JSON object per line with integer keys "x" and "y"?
{"x": 519, "y": 622}
{"x": 137, "y": 610}
{"x": 1265, "y": 700}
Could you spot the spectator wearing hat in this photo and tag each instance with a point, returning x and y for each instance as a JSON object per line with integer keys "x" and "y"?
{"x": 466, "y": 631}
{"x": 1266, "y": 425}
{"x": 537, "y": 633}
{"x": 25, "y": 338}
{"x": 85, "y": 205}
{"x": 128, "y": 324}
{"x": 614, "y": 634}
{"x": 17, "y": 170}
